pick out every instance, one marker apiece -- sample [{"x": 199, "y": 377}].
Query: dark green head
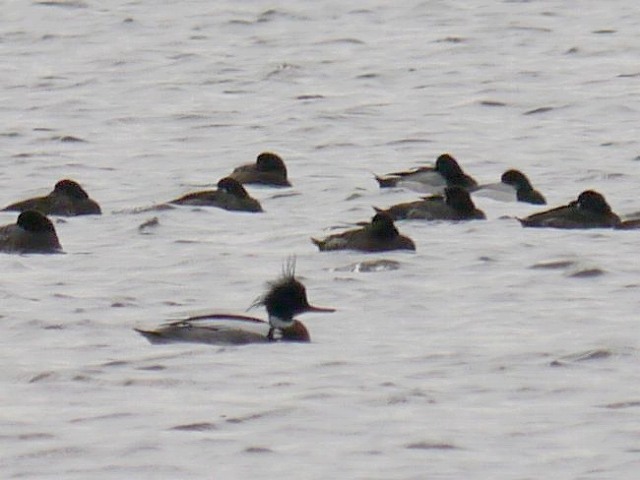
[{"x": 287, "y": 297}]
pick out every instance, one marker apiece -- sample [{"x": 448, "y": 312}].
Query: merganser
[{"x": 284, "y": 299}]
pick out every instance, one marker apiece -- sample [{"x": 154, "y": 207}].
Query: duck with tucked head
[
  {"x": 269, "y": 169},
  {"x": 378, "y": 236},
  {"x": 590, "y": 210},
  {"x": 447, "y": 172},
  {"x": 454, "y": 205},
  {"x": 67, "y": 199},
  {"x": 284, "y": 299},
  {"x": 32, "y": 233},
  {"x": 230, "y": 195}
]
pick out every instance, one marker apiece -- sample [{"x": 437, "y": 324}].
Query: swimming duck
[
  {"x": 230, "y": 195},
  {"x": 269, "y": 169},
  {"x": 447, "y": 172},
  {"x": 67, "y": 199},
  {"x": 514, "y": 186},
  {"x": 455, "y": 204},
  {"x": 284, "y": 299},
  {"x": 378, "y": 236},
  {"x": 32, "y": 233},
  {"x": 590, "y": 210}
]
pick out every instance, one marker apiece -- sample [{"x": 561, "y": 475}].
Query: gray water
[{"x": 492, "y": 352}]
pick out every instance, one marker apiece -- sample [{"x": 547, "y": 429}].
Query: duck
[
  {"x": 514, "y": 186},
  {"x": 589, "y": 210},
  {"x": 67, "y": 199},
  {"x": 269, "y": 169},
  {"x": 285, "y": 298},
  {"x": 230, "y": 195},
  {"x": 33, "y": 232},
  {"x": 379, "y": 235},
  {"x": 455, "y": 204},
  {"x": 446, "y": 172}
]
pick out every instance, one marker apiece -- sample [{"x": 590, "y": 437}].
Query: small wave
[
  {"x": 408, "y": 141},
  {"x": 553, "y": 265},
  {"x": 619, "y": 405},
  {"x": 349, "y": 41},
  {"x": 68, "y": 139},
  {"x": 426, "y": 445},
  {"x": 586, "y": 272},
  {"x": 63, "y": 3},
  {"x": 310, "y": 97},
  {"x": 258, "y": 450},
  {"x": 147, "y": 227},
  {"x": 195, "y": 427},
  {"x": 589, "y": 355},
  {"x": 367, "y": 266},
  {"x": 451, "y": 40},
  {"x": 492, "y": 103},
  {"x": 539, "y": 110}
]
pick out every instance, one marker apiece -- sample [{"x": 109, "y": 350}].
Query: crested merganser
[{"x": 285, "y": 298}]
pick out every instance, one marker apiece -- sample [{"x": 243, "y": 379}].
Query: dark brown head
[
  {"x": 593, "y": 201},
  {"x": 448, "y": 167},
  {"x": 516, "y": 178},
  {"x": 232, "y": 187},
  {"x": 382, "y": 226},
  {"x": 35, "y": 222},
  {"x": 270, "y": 162},
  {"x": 70, "y": 189}
]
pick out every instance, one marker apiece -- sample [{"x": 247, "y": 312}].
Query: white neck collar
[{"x": 278, "y": 322}]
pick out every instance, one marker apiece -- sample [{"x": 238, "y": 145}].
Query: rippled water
[{"x": 492, "y": 352}]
